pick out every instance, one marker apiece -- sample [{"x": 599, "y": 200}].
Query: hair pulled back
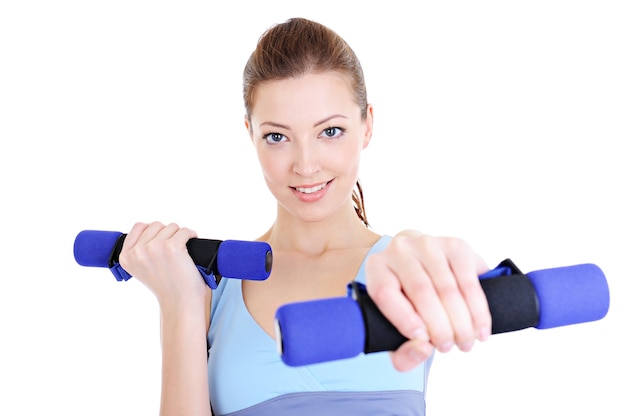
[{"x": 298, "y": 47}]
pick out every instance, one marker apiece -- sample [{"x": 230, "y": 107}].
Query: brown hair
[{"x": 295, "y": 48}]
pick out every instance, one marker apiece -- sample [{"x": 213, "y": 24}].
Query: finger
[
  {"x": 165, "y": 232},
  {"x": 181, "y": 237},
  {"x": 133, "y": 235},
  {"x": 169, "y": 241},
  {"x": 454, "y": 324},
  {"x": 383, "y": 286},
  {"x": 134, "y": 248},
  {"x": 418, "y": 285},
  {"x": 467, "y": 267},
  {"x": 411, "y": 354},
  {"x": 152, "y": 230}
]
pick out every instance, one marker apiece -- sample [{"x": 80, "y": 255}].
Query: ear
[
  {"x": 246, "y": 121},
  {"x": 369, "y": 125}
]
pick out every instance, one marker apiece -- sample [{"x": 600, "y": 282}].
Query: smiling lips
[
  {"x": 311, "y": 193},
  {"x": 311, "y": 189}
]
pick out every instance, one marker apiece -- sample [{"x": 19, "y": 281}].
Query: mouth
[{"x": 312, "y": 189}]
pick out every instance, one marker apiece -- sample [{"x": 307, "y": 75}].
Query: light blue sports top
[{"x": 248, "y": 377}]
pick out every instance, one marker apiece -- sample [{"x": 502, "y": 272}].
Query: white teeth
[{"x": 311, "y": 190}]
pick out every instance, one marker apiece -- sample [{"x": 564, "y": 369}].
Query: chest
[{"x": 295, "y": 279}]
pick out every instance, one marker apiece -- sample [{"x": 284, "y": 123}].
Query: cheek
[
  {"x": 347, "y": 159},
  {"x": 272, "y": 167}
]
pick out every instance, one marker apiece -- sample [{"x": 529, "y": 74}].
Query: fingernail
[
  {"x": 445, "y": 347},
  {"x": 417, "y": 355},
  {"x": 483, "y": 334},
  {"x": 467, "y": 346},
  {"x": 421, "y": 334}
]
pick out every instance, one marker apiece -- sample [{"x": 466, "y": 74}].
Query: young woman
[{"x": 308, "y": 118}]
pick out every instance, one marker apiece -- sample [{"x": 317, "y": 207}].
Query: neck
[{"x": 313, "y": 238}]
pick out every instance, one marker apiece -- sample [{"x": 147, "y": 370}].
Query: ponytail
[{"x": 359, "y": 204}]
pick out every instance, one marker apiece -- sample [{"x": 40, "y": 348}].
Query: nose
[{"x": 306, "y": 159}]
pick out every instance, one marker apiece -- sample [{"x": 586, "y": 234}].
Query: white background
[{"x": 499, "y": 122}]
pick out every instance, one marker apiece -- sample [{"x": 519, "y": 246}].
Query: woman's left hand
[{"x": 428, "y": 288}]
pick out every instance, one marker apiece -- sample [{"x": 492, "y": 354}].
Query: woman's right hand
[{"x": 156, "y": 254}]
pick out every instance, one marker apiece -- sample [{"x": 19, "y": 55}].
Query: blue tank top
[{"x": 248, "y": 377}]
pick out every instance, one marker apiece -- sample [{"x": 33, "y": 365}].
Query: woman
[{"x": 308, "y": 118}]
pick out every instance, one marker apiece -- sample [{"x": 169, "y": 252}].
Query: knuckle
[
  {"x": 139, "y": 224},
  {"x": 402, "y": 243},
  {"x": 171, "y": 246},
  {"x": 429, "y": 243},
  {"x": 373, "y": 265},
  {"x": 455, "y": 244},
  {"x": 447, "y": 287},
  {"x": 380, "y": 294},
  {"x": 123, "y": 258},
  {"x": 416, "y": 286}
]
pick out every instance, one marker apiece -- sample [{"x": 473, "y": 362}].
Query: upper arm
[{"x": 207, "y": 309}]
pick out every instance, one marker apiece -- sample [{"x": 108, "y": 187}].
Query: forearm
[{"x": 184, "y": 385}]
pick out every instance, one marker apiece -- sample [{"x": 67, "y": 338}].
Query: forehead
[{"x": 313, "y": 94}]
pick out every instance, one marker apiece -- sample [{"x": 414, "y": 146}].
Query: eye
[
  {"x": 332, "y": 132},
  {"x": 273, "y": 138}
]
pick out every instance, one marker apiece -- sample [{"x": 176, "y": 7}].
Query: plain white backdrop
[{"x": 499, "y": 122}]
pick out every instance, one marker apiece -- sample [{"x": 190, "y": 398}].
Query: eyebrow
[{"x": 319, "y": 123}]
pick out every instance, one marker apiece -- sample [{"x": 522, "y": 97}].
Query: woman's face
[{"x": 308, "y": 133}]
